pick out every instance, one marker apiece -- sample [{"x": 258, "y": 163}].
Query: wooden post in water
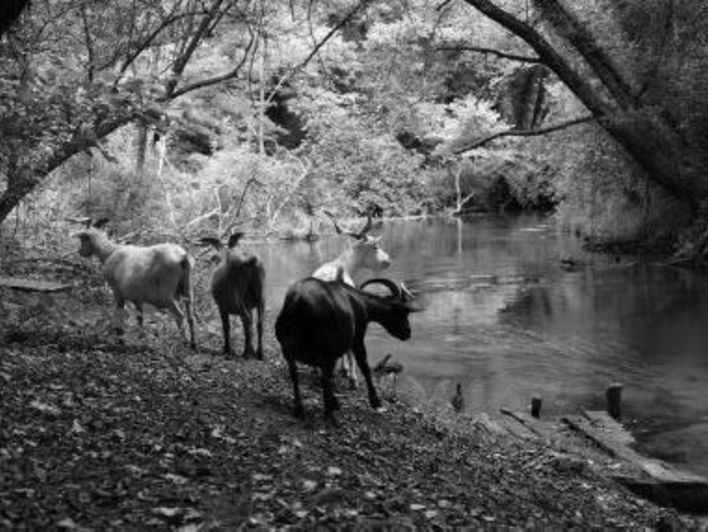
[
  {"x": 536, "y": 406},
  {"x": 614, "y": 400}
]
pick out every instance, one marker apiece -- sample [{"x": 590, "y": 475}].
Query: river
[{"x": 506, "y": 319}]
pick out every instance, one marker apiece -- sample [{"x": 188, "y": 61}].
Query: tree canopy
[{"x": 358, "y": 103}]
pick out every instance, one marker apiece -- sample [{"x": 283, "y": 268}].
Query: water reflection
[{"x": 507, "y": 321}]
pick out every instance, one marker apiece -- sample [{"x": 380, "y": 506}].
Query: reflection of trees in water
[{"x": 532, "y": 305}]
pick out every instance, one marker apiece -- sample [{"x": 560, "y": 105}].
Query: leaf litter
[{"x": 102, "y": 435}]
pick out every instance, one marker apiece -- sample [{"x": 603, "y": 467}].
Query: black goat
[
  {"x": 237, "y": 288},
  {"x": 321, "y": 320}
]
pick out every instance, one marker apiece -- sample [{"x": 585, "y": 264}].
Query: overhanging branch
[
  {"x": 522, "y": 133},
  {"x": 547, "y": 55},
  {"x": 484, "y": 50}
]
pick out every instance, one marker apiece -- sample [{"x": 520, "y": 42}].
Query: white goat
[
  {"x": 158, "y": 275},
  {"x": 364, "y": 252}
]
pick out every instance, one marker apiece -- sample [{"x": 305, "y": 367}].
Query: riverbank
[{"x": 98, "y": 435}]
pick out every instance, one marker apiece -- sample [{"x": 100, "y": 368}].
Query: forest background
[{"x": 184, "y": 117}]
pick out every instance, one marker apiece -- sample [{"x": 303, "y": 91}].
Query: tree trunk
[
  {"x": 24, "y": 178},
  {"x": 141, "y": 140},
  {"x": 650, "y": 139}
]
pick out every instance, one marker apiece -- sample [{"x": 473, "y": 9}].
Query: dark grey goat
[
  {"x": 321, "y": 320},
  {"x": 237, "y": 288}
]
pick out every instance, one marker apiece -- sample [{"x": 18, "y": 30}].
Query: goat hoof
[
  {"x": 299, "y": 412},
  {"x": 336, "y": 405},
  {"x": 331, "y": 421},
  {"x": 193, "y": 346}
]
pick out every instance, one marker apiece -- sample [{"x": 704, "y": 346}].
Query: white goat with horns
[
  {"x": 364, "y": 252},
  {"x": 158, "y": 275}
]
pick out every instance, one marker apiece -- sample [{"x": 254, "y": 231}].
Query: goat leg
[
  {"x": 330, "y": 401},
  {"x": 177, "y": 314},
  {"x": 298, "y": 409},
  {"x": 118, "y": 316},
  {"x": 360, "y": 356},
  {"x": 259, "y": 331},
  {"x": 247, "y": 322},
  {"x": 190, "y": 321},
  {"x": 226, "y": 328}
]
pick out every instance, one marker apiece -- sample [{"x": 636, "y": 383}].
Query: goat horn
[
  {"x": 388, "y": 283},
  {"x": 361, "y": 234},
  {"x": 405, "y": 291},
  {"x": 334, "y": 221}
]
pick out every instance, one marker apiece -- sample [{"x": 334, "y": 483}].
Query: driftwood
[{"x": 33, "y": 285}]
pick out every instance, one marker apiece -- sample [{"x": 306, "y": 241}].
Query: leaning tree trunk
[
  {"x": 658, "y": 146},
  {"x": 26, "y": 174}
]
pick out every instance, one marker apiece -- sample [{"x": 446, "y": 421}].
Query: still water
[{"x": 507, "y": 320}]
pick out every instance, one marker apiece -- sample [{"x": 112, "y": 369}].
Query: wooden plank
[
  {"x": 656, "y": 469},
  {"x": 605, "y": 423},
  {"x": 540, "y": 428},
  {"x": 32, "y": 285},
  {"x": 518, "y": 429}
]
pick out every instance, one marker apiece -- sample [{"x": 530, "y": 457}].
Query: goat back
[
  {"x": 237, "y": 284},
  {"x": 318, "y": 321},
  {"x": 154, "y": 274}
]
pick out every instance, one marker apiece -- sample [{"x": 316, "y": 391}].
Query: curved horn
[
  {"x": 388, "y": 283},
  {"x": 365, "y": 229},
  {"x": 334, "y": 221}
]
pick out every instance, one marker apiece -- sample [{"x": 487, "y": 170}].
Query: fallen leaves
[
  {"x": 45, "y": 408},
  {"x": 101, "y": 436}
]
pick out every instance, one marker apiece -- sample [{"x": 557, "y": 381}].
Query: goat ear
[
  {"x": 98, "y": 224},
  {"x": 210, "y": 241}
]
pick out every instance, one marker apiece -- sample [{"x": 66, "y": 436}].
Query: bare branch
[
  {"x": 323, "y": 41},
  {"x": 140, "y": 48},
  {"x": 233, "y": 73},
  {"x": 182, "y": 60},
  {"x": 522, "y": 133},
  {"x": 89, "y": 43},
  {"x": 442, "y": 5},
  {"x": 483, "y": 50}
]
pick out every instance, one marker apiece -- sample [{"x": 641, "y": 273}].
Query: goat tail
[{"x": 184, "y": 287}]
